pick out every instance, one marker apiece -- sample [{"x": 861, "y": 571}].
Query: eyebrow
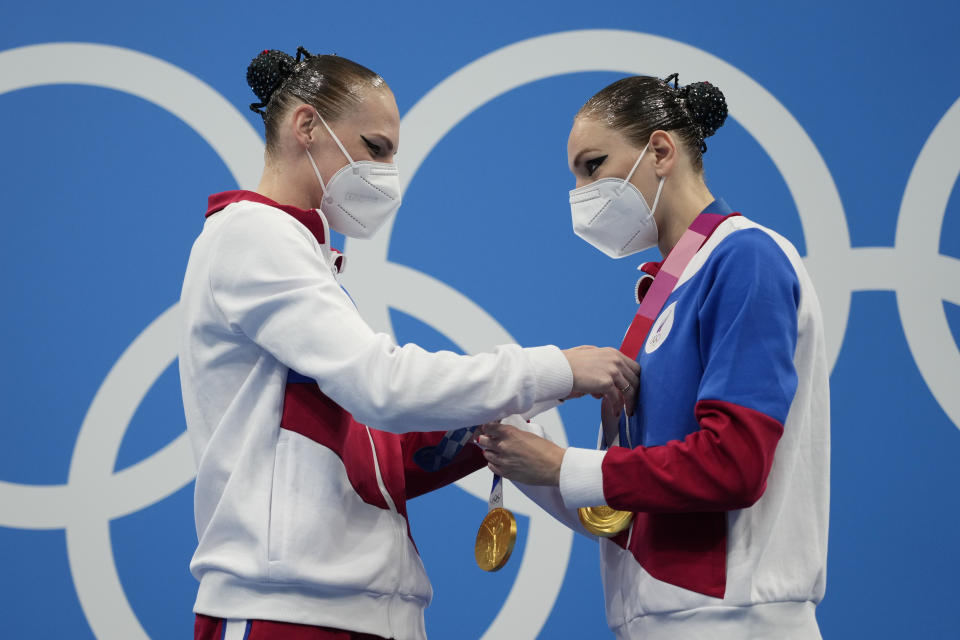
[{"x": 576, "y": 158}]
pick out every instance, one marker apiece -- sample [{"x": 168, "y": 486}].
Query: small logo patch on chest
[{"x": 660, "y": 329}]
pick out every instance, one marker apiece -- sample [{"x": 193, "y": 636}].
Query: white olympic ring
[
  {"x": 919, "y": 224},
  {"x": 837, "y": 268}
]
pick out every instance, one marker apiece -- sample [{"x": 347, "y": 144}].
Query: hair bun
[
  {"x": 267, "y": 72},
  {"x": 706, "y": 105}
]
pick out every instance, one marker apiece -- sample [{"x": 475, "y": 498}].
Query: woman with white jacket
[{"x": 300, "y": 505}]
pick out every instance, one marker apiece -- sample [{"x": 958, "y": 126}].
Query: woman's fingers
[
  {"x": 487, "y": 435},
  {"x": 487, "y": 443},
  {"x": 614, "y": 399},
  {"x": 630, "y": 399},
  {"x": 629, "y": 386},
  {"x": 610, "y": 418},
  {"x": 492, "y": 435},
  {"x": 494, "y": 468},
  {"x": 631, "y": 375},
  {"x": 522, "y": 456},
  {"x": 494, "y": 429}
]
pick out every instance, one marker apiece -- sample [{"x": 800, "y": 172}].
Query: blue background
[{"x": 102, "y": 194}]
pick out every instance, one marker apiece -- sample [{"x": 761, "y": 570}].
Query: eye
[
  {"x": 374, "y": 148},
  {"x": 593, "y": 164}
]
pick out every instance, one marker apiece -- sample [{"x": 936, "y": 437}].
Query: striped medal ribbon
[{"x": 602, "y": 520}]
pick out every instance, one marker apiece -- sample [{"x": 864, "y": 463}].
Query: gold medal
[
  {"x": 495, "y": 539},
  {"x": 604, "y": 521}
]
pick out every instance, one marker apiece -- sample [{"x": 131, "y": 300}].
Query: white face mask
[
  {"x": 612, "y": 215},
  {"x": 360, "y": 197}
]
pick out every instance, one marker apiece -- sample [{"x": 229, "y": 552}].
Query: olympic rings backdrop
[{"x": 118, "y": 119}]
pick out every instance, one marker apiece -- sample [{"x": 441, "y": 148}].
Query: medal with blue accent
[{"x": 497, "y": 533}]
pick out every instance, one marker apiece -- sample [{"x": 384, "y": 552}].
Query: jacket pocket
[{"x": 321, "y": 532}]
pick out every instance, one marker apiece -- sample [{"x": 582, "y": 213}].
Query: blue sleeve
[{"x": 748, "y": 325}]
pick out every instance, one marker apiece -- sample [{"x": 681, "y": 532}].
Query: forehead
[
  {"x": 377, "y": 110},
  {"x": 589, "y": 132}
]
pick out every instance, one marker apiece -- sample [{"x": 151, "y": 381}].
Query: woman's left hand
[{"x": 519, "y": 455}]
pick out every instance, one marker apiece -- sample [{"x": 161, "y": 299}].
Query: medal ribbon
[
  {"x": 663, "y": 284},
  {"x": 440, "y": 455},
  {"x": 657, "y": 295},
  {"x": 496, "y": 494}
]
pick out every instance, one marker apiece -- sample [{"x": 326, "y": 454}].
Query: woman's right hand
[{"x": 604, "y": 372}]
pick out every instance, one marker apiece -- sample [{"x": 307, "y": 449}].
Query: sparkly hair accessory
[
  {"x": 705, "y": 105},
  {"x": 267, "y": 73}
]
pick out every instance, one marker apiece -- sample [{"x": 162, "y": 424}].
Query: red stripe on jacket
[
  {"x": 309, "y": 412},
  {"x": 681, "y": 493},
  {"x": 209, "y": 628}
]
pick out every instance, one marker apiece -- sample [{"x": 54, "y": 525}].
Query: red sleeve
[
  {"x": 721, "y": 467},
  {"x": 418, "y": 481}
]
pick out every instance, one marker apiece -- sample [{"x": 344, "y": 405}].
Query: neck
[
  {"x": 282, "y": 183},
  {"x": 686, "y": 204}
]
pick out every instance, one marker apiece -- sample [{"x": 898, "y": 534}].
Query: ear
[
  {"x": 664, "y": 149},
  {"x": 303, "y": 121}
]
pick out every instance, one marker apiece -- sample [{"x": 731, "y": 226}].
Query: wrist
[{"x": 557, "y": 464}]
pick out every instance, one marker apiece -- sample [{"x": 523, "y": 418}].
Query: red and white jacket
[{"x": 300, "y": 508}]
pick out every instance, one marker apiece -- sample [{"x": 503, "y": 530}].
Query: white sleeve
[
  {"x": 272, "y": 283},
  {"x": 581, "y": 478},
  {"x": 546, "y": 497}
]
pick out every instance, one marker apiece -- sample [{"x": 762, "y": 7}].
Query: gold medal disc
[
  {"x": 604, "y": 521},
  {"x": 495, "y": 539}
]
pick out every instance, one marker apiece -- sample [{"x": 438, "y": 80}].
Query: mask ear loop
[
  {"x": 323, "y": 187},
  {"x": 656, "y": 199},
  {"x": 316, "y": 170},
  {"x": 636, "y": 164},
  {"x": 353, "y": 165}
]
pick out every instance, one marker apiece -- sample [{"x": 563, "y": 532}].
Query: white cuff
[
  {"x": 581, "y": 478},
  {"x": 554, "y": 377}
]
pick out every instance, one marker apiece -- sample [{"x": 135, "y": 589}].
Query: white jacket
[
  {"x": 290, "y": 528},
  {"x": 774, "y": 520}
]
